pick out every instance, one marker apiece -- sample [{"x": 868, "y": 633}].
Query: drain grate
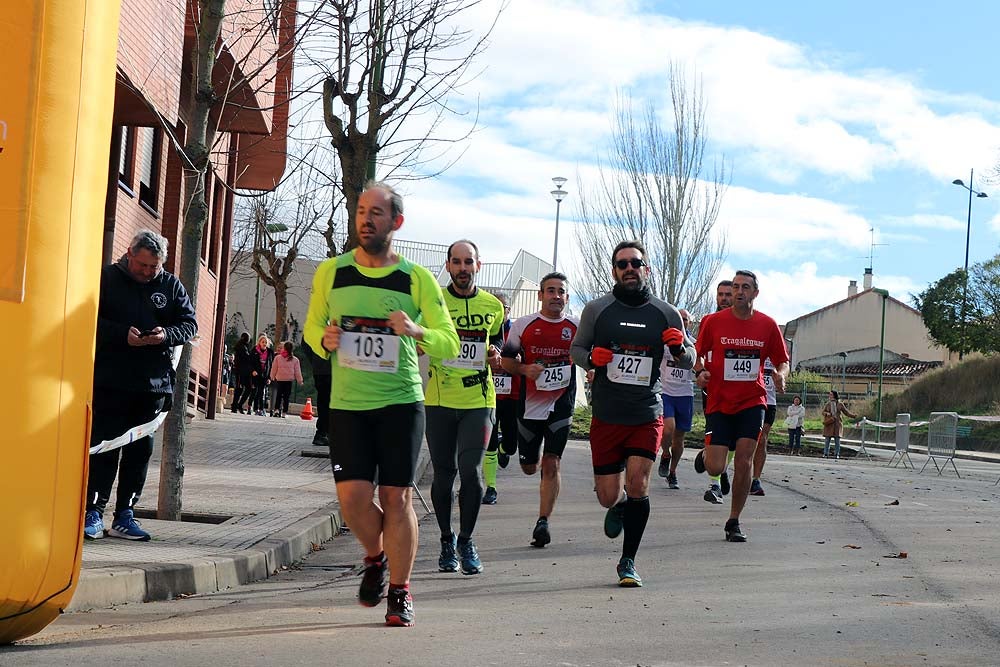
[{"x": 189, "y": 517}]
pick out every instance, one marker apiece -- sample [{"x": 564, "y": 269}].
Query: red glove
[
  {"x": 673, "y": 337},
  {"x": 600, "y": 356}
]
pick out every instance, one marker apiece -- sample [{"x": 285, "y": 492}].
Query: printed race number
[
  {"x": 554, "y": 377},
  {"x": 630, "y": 369},
  {"x": 741, "y": 366},
  {"x": 471, "y": 353},
  {"x": 368, "y": 344},
  {"x": 503, "y": 384}
]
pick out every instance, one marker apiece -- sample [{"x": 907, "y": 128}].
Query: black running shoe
[
  {"x": 672, "y": 481},
  {"x": 448, "y": 560},
  {"x": 614, "y": 520},
  {"x": 755, "y": 488},
  {"x": 699, "y": 462},
  {"x": 733, "y": 532},
  {"x": 724, "y": 483},
  {"x": 540, "y": 535},
  {"x": 503, "y": 458},
  {"x": 373, "y": 582},
  {"x": 399, "y": 608},
  {"x": 713, "y": 495},
  {"x": 490, "y": 496},
  {"x": 663, "y": 470}
]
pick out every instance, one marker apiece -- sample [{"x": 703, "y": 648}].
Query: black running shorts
[
  {"x": 554, "y": 431},
  {"x": 727, "y": 429},
  {"x": 380, "y": 445}
]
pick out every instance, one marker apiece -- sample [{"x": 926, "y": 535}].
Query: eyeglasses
[{"x": 635, "y": 263}]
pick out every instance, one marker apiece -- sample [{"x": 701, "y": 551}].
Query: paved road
[{"x": 814, "y": 586}]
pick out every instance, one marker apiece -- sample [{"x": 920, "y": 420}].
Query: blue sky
[{"x": 834, "y": 118}]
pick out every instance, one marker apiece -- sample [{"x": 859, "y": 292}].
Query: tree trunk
[{"x": 199, "y": 140}]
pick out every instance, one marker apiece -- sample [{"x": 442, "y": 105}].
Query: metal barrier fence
[{"x": 941, "y": 436}]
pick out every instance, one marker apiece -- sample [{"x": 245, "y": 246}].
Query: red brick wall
[{"x": 150, "y": 49}]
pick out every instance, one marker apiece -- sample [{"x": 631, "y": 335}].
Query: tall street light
[
  {"x": 881, "y": 363},
  {"x": 559, "y": 194},
  {"x": 968, "y": 232}
]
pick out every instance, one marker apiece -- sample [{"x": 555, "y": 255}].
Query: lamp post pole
[
  {"x": 881, "y": 364},
  {"x": 558, "y": 194},
  {"x": 968, "y": 234}
]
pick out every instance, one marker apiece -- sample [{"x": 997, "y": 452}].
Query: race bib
[
  {"x": 471, "y": 351},
  {"x": 555, "y": 376},
  {"x": 503, "y": 384},
  {"x": 630, "y": 369},
  {"x": 741, "y": 366},
  {"x": 368, "y": 344},
  {"x": 768, "y": 382}
]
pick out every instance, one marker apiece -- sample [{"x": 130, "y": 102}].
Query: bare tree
[
  {"x": 390, "y": 64},
  {"x": 657, "y": 188}
]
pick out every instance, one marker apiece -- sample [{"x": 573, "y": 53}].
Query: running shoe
[
  {"x": 374, "y": 582},
  {"x": 540, "y": 535},
  {"x": 672, "y": 481},
  {"x": 699, "y": 462},
  {"x": 627, "y": 576},
  {"x": 664, "y": 468},
  {"x": 399, "y": 608},
  {"x": 321, "y": 440},
  {"x": 470, "y": 557},
  {"x": 490, "y": 497},
  {"x": 126, "y": 527},
  {"x": 503, "y": 458},
  {"x": 724, "y": 483},
  {"x": 714, "y": 495},
  {"x": 93, "y": 525},
  {"x": 755, "y": 488},
  {"x": 614, "y": 520},
  {"x": 448, "y": 560},
  {"x": 733, "y": 532}
]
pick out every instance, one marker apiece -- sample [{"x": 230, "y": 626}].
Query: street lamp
[
  {"x": 843, "y": 372},
  {"x": 559, "y": 194},
  {"x": 881, "y": 363},
  {"x": 968, "y": 232}
]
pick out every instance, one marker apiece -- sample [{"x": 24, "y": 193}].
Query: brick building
[{"x": 252, "y": 76}]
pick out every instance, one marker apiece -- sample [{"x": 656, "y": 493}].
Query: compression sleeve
[
  {"x": 583, "y": 342},
  {"x": 440, "y": 338},
  {"x": 317, "y": 316}
]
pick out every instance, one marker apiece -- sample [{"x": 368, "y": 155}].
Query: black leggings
[
  {"x": 259, "y": 383},
  {"x": 282, "y": 392},
  {"x": 506, "y": 424},
  {"x": 457, "y": 440},
  {"x": 243, "y": 392}
]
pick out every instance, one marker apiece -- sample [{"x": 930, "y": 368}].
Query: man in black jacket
[{"x": 143, "y": 313}]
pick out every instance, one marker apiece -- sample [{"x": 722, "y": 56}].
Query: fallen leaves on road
[
  {"x": 850, "y": 546},
  {"x": 901, "y": 554},
  {"x": 803, "y": 507},
  {"x": 894, "y": 502},
  {"x": 851, "y": 503}
]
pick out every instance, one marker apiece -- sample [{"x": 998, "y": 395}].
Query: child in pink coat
[{"x": 284, "y": 369}]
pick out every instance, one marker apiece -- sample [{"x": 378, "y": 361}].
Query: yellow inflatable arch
[{"x": 57, "y": 80}]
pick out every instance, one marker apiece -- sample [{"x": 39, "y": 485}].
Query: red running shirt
[{"x": 734, "y": 351}]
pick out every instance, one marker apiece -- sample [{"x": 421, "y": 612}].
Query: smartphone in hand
[{"x": 145, "y": 334}]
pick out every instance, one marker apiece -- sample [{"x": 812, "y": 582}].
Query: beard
[
  {"x": 462, "y": 280},
  {"x": 376, "y": 244},
  {"x": 632, "y": 287}
]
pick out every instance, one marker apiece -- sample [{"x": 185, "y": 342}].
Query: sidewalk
[{"x": 268, "y": 503}]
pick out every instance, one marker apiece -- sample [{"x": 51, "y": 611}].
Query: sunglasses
[{"x": 635, "y": 263}]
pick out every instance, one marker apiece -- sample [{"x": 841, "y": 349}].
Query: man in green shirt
[
  {"x": 363, "y": 315},
  {"x": 461, "y": 401}
]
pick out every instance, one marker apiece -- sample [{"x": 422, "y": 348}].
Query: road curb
[{"x": 150, "y": 582}]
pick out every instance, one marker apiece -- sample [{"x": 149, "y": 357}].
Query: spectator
[
  {"x": 284, "y": 369},
  {"x": 261, "y": 357},
  {"x": 142, "y": 314},
  {"x": 793, "y": 422},
  {"x": 243, "y": 374},
  {"x": 833, "y": 423}
]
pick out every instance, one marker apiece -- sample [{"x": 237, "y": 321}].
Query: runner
[
  {"x": 718, "y": 485},
  {"x": 732, "y": 345},
  {"x": 678, "y": 409},
  {"x": 460, "y": 405},
  {"x": 542, "y": 342},
  {"x": 362, "y": 315},
  {"x": 760, "y": 454},
  {"x": 503, "y": 440},
  {"x": 622, "y": 336}
]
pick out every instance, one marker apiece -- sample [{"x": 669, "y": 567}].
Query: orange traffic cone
[{"x": 307, "y": 411}]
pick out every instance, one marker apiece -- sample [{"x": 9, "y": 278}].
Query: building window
[
  {"x": 126, "y": 160},
  {"x": 148, "y": 163}
]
